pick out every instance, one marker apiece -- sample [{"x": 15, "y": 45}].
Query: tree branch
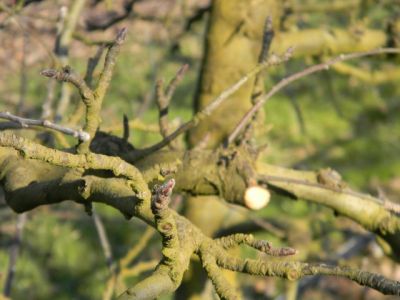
[
  {"x": 92, "y": 99},
  {"x": 308, "y": 71},
  {"x": 24, "y": 122},
  {"x": 296, "y": 270},
  {"x": 44, "y": 185},
  {"x": 366, "y": 210}
]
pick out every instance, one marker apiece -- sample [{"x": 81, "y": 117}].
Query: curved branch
[{"x": 308, "y": 71}]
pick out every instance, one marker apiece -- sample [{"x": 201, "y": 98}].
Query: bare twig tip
[
  {"x": 48, "y": 73},
  {"x": 121, "y": 36},
  {"x": 268, "y": 24},
  {"x": 184, "y": 68}
]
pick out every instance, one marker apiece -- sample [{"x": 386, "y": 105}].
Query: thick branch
[
  {"x": 44, "y": 185},
  {"x": 93, "y": 161},
  {"x": 363, "y": 209}
]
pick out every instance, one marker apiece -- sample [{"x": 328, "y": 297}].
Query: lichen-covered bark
[
  {"x": 320, "y": 41},
  {"x": 363, "y": 209},
  {"x": 233, "y": 45},
  {"x": 33, "y": 175}
]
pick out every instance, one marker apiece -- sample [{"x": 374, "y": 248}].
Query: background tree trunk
[{"x": 233, "y": 44}]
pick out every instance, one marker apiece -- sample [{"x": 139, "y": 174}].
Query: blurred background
[{"x": 347, "y": 119}]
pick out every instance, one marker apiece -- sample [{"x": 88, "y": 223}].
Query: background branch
[
  {"x": 25, "y": 122},
  {"x": 308, "y": 71}
]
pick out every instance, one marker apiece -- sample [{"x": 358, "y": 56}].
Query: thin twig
[
  {"x": 133, "y": 124},
  {"x": 23, "y": 75},
  {"x": 138, "y": 248},
  {"x": 267, "y": 39},
  {"x": 258, "y": 88},
  {"x": 164, "y": 98},
  {"x": 199, "y": 116},
  {"x": 140, "y": 267},
  {"x": 125, "y": 124},
  {"x": 62, "y": 49},
  {"x": 149, "y": 97},
  {"x": 51, "y": 86},
  {"x": 107, "y": 21},
  {"x": 89, "y": 42},
  {"x": 260, "y": 222},
  {"x": 14, "y": 252},
  {"x": 92, "y": 64},
  {"x": 92, "y": 99},
  {"x": 68, "y": 75},
  {"x": 271, "y": 178},
  {"x": 47, "y": 110},
  {"x": 310, "y": 70},
  {"x": 125, "y": 270},
  {"x": 109, "y": 63},
  {"x": 352, "y": 247},
  {"x": 105, "y": 244},
  {"x": 24, "y": 122},
  {"x": 173, "y": 84},
  {"x": 88, "y": 78}
]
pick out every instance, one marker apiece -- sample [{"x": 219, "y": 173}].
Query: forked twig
[{"x": 273, "y": 60}]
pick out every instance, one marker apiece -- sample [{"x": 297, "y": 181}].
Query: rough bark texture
[{"x": 232, "y": 49}]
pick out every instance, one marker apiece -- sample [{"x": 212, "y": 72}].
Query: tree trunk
[{"x": 233, "y": 44}]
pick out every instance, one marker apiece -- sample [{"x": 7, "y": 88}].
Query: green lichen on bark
[{"x": 234, "y": 35}]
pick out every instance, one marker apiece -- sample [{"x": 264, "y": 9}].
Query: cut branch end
[{"x": 256, "y": 197}]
